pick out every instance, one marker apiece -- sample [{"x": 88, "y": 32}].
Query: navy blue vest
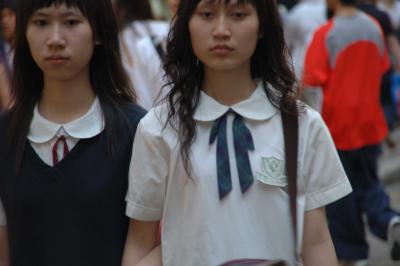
[{"x": 71, "y": 214}]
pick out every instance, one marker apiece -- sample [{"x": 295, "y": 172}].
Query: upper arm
[
  {"x": 315, "y": 227},
  {"x": 3, "y": 246},
  {"x": 317, "y": 244}
]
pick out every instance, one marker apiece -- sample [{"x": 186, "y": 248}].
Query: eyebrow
[
  {"x": 231, "y": 4},
  {"x": 47, "y": 14}
]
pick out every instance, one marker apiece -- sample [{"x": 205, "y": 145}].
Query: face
[
  {"x": 8, "y": 24},
  {"x": 61, "y": 42},
  {"x": 224, "y": 36},
  {"x": 173, "y": 6}
]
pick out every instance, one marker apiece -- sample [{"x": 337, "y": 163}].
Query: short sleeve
[
  {"x": 323, "y": 173},
  {"x": 148, "y": 173},
  {"x": 2, "y": 215},
  {"x": 316, "y": 63}
]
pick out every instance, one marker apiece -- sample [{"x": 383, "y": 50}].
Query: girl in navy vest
[
  {"x": 209, "y": 162},
  {"x": 65, "y": 144}
]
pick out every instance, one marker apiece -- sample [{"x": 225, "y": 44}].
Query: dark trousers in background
[{"x": 345, "y": 216}]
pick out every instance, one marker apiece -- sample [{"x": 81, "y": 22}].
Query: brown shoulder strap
[{"x": 291, "y": 135}]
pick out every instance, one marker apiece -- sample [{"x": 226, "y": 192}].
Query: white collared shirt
[
  {"x": 299, "y": 26},
  {"x": 43, "y": 134},
  {"x": 143, "y": 63},
  {"x": 198, "y": 227}
]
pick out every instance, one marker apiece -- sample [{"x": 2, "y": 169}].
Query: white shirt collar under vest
[
  {"x": 89, "y": 125},
  {"x": 256, "y": 107}
]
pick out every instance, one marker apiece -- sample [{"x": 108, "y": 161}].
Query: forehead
[
  {"x": 225, "y": 2},
  {"x": 35, "y": 5},
  {"x": 57, "y": 9}
]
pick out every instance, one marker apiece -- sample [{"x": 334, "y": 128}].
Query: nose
[
  {"x": 222, "y": 27},
  {"x": 55, "y": 39}
]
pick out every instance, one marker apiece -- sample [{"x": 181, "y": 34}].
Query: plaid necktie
[{"x": 243, "y": 142}]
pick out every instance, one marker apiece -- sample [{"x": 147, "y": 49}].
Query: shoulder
[
  {"x": 159, "y": 28},
  {"x": 321, "y": 33},
  {"x": 154, "y": 121},
  {"x": 155, "y": 125},
  {"x": 310, "y": 122},
  {"x": 325, "y": 27},
  {"x": 369, "y": 20},
  {"x": 133, "y": 112}
]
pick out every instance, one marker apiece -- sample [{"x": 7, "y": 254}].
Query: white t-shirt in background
[{"x": 141, "y": 60}]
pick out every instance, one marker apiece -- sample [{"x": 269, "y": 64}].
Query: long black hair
[
  {"x": 108, "y": 78},
  {"x": 270, "y": 63},
  {"x": 131, "y": 10}
]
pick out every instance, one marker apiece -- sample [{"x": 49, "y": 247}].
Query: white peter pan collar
[
  {"x": 89, "y": 125},
  {"x": 256, "y": 107}
]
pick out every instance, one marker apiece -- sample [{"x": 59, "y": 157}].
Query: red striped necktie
[{"x": 63, "y": 141}]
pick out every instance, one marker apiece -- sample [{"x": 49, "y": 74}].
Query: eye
[
  {"x": 72, "y": 22},
  {"x": 206, "y": 14},
  {"x": 40, "y": 22},
  {"x": 239, "y": 15}
]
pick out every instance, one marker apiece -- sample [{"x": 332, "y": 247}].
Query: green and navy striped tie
[{"x": 243, "y": 143}]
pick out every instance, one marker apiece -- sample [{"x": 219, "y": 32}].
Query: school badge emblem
[{"x": 272, "y": 172}]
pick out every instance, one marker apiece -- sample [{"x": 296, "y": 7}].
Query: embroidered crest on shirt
[{"x": 272, "y": 172}]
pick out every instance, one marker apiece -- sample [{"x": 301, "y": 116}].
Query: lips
[
  {"x": 56, "y": 59},
  {"x": 221, "y": 50},
  {"x": 221, "y": 47}
]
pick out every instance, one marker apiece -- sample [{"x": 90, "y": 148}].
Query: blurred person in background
[
  {"x": 299, "y": 25},
  {"x": 392, "y": 43},
  {"x": 392, "y": 7},
  {"x": 347, "y": 57},
  {"x": 148, "y": 67},
  {"x": 136, "y": 22},
  {"x": 173, "y": 6},
  {"x": 8, "y": 18}
]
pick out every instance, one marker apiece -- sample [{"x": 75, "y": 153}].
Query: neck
[
  {"x": 228, "y": 87},
  {"x": 65, "y": 101},
  {"x": 346, "y": 10}
]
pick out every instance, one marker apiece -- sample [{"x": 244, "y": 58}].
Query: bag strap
[{"x": 291, "y": 136}]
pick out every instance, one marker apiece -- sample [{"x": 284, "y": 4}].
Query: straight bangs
[
  {"x": 239, "y": 2},
  {"x": 29, "y": 7},
  {"x": 26, "y": 8}
]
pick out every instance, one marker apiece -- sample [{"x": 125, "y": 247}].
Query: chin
[{"x": 225, "y": 66}]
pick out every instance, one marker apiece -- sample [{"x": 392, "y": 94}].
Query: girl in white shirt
[
  {"x": 211, "y": 164},
  {"x": 64, "y": 158}
]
